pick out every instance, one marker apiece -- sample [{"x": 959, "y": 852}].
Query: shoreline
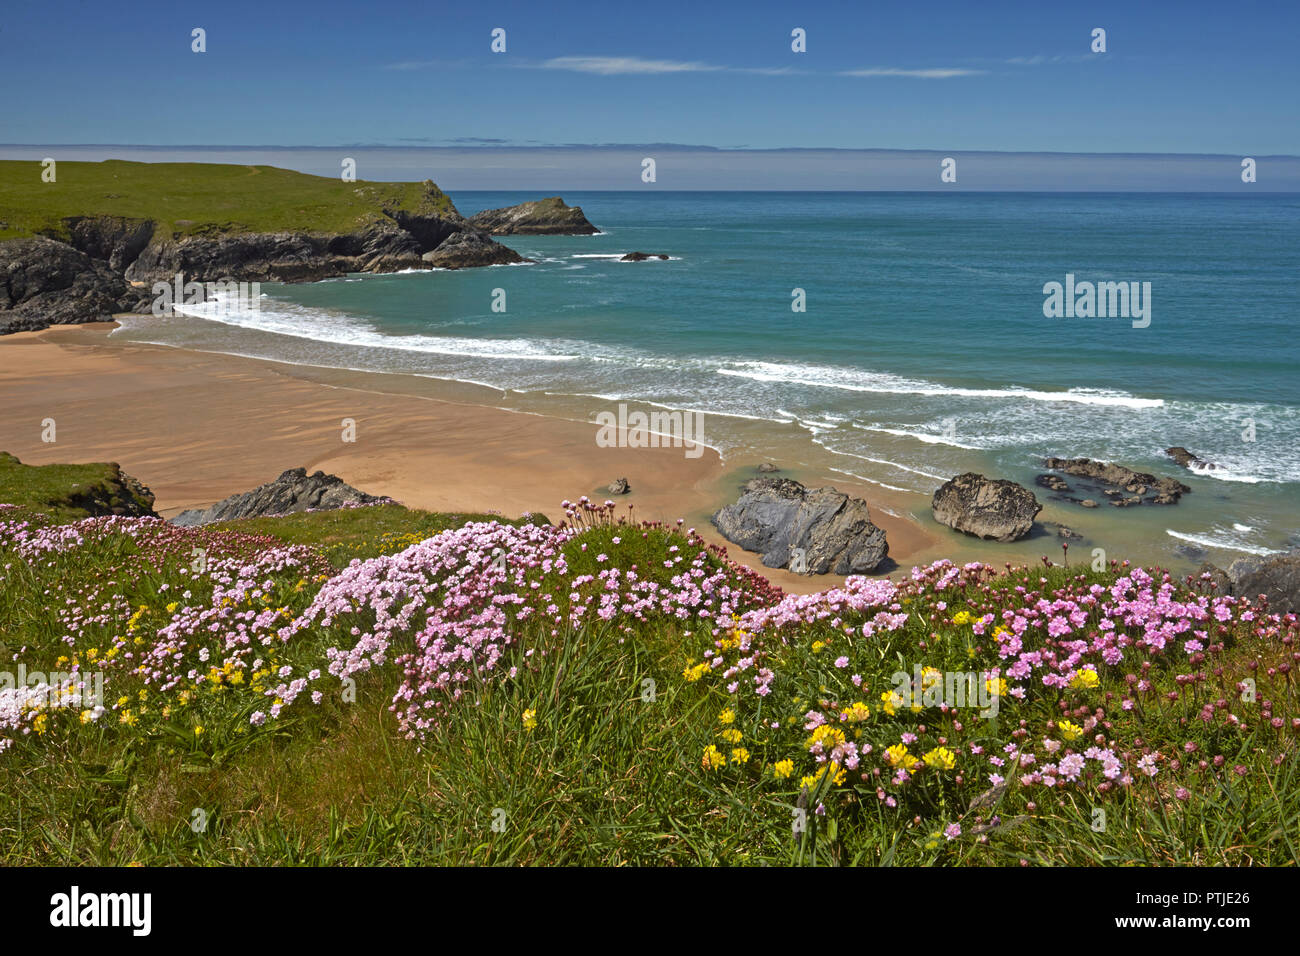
[{"x": 198, "y": 426}]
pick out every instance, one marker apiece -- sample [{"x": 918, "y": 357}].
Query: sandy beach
[{"x": 196, "y": 427}]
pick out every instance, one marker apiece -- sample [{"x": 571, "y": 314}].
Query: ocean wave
[
  {"x": 857, "y": 380},
  {"x": 1228, "y": 544},
  {"x": 321, "y": 326}
]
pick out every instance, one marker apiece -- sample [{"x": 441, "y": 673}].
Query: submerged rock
[
  {"x": 816, "y": 532},
  {"x": 1188, "y": 460},
  {"x": 990, "y": 508},
  {"x": 293, "y": 491},
  {"x": 642, "y": 256},
  {"x": 1117, "y": 479}
]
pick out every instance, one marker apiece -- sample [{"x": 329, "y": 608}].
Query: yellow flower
[
  {"x": 92, "y": 653},
  {"x": 855, "y": 713},
  {"x": 999, "y": 689},
  {"x": 740, "y": 755},
  {"x": 826, "y": 735},
  {"x": 692, "y": 674},
  {"x": 726, "y": 717},
  {"x": 961, "y": 617},
  {"x": 713, "y": 758},
  {"x": 40, "y": 723},
  {"x": 940, "y": 758},
  {"x": 782, "y": 769},
  {"x": 1068, "y": 730},
  {"x": 897, "y": 755},
  {"x": 87, "y": 716},
  {"x": 831, "y": 771},
  {"x": 817, "y": 646},
  {"x": 929, "y": 677},
  {"x": 889, "y": 700},
  {"x": 171, "y": 608},
  {"x": 530, "y": 718},
  {"x": 128, "y": 718},
  {"x": 1085, "y": 680},
  {"x": 198, "y": 730},
  {"x": 731, "y": 735},
  {"x": 123, "y": 701}
]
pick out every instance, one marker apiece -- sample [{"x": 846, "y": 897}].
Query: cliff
[{"x": 93, "y": 242}]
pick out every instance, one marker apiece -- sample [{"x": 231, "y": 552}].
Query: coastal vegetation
[
  {"x": 200, "y": 199},
  {"x": 375, "y": 685}
]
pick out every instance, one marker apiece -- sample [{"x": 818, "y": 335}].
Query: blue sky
[{"x": 1184, "y": 77}]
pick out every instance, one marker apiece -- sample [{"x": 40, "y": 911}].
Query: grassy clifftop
[{"x": 191, "y": 199}]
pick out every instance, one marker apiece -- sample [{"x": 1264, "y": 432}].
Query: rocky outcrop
[
  {"x": 116, "y": 493},
  {"x": 101, "y": 265},
  {"x": 1114, "y": 481},
  {"x": 1188, "y": 460},
  {"x": 619, "y": 486},
  {"x": 541, "y": 217},
  {"x": 1276, "y": 577},
  {"x": 990, "y": 508},
  {"x": 463, "y": 250},
  {"x": 44, "y": 282},
  {"x": 293, "y": 491},
  {"x": 121, "y": 494},
  {"x": 816, "y": 532},
  {"x": 642, "y": 256},
  {"x": 114, "y": 240}
]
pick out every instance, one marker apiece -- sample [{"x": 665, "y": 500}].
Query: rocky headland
[
  {"x": 541, "y": 217},
  {"x": 86, "y": 267}
]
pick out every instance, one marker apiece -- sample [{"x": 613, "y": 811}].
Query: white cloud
[
  {"x": 940, "y": 73},
  {"x": 616, "y": 65}
]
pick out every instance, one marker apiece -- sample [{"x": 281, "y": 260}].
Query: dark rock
[
  {"x": 1189, "y": 460},
  {"x": 1276, "y": 577},
  {"x": 44, "y": 282},
  {"x": 1088, "y": 503},
  {"x": 1191, "y": 552},
  {"x": 619, "y": 486},
  {"x": 777, "y": 516},
  {"x": 541, "y": 217},
  {"x": 111, "y": 239},
  {"x": 1068, "y": 533},
  {"x": 462, "y": 250},
  {"x": 293, "y": 491},
  {"x": 642, "y": 256},
  {"x": 985, "y": 507},
  {"x": 1126, "y": 502},
  {"x": 766, "y": 468},
  {"x": 1162, "y": 490},
  {"x": 1052, "y": 482},
  {"x": 1222, "y": 584}
]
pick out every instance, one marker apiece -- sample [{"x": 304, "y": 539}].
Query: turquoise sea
[{"x": 923, "y": 351}]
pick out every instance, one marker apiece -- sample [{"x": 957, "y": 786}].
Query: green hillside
[{"x": 200, "y": 198}]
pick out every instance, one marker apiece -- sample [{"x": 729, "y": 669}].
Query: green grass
[
  {"x": 608, "y": 769},
  {"x": 194, "y": 199},
  {"x": 53, "y": 489}
]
